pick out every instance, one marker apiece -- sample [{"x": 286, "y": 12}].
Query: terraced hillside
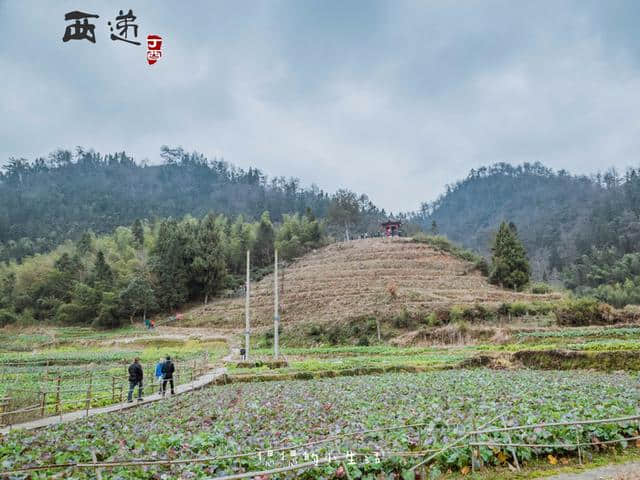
[{"x": 347, "y": 280}]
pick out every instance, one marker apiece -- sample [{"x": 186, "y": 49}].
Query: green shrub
[
  {"x": 334, "y": 336},
  {"x": 433, "y": 320},
  {"x": 71, "y": 313},
  {"x": 503, "y": 309},
  {"x": 542, "y": 308},
  {"x": 26, "y": 318},
  {"x": 541, "y": 288},
  {"x": 7, "y": 317},
  {"x": 316, "y": 330},
  {"x": 363, "y": 341},
  {"x": 403, "y": 320},
  {"x": 475, "y": 313},
  {"x": 483, "y": 266},
  {"x": 582, "y": 311},
  {"x": 456, "y": 314},
  {"x": 518, "y": 309}
]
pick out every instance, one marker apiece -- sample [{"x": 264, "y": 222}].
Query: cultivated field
[
  {"x": 389, "y": 423},
  {"x": 57, "y": 370},
  {"x": 374, "y": 383}
]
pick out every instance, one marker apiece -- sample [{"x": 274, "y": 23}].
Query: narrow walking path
[
  {"x": 200, "y": 382},
  {"x": 624, "y": 471}
]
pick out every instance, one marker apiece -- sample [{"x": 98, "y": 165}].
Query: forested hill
[
  {"x": 561, "y": 218},
  {"x": 49, "y": 200}
]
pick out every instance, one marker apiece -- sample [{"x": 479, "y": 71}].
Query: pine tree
[
  {"x": 309, "y": 214},
  {"x": 85, "y": 244},
  {"x": 238, "y": 244},
  {"x": 138, "y": 296},
  {"x": 434, "y": 228},
  {"x": 509, "y": 264},
  {"x": 138, "y": 233},
  {"x": 264, "y": 240},
  {"x": 208, "y": 264},
  {"x": 169, "y": 266},
  {"x": 102, "y": 272}
]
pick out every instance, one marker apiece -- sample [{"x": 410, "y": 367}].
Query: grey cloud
[{"x": 394, "y": 99}]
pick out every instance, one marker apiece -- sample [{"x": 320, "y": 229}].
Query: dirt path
[
  {"x": 198, "y": 383},
  {"x": 625, "y": 471}
]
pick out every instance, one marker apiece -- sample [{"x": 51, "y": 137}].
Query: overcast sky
[{"x": 393, "y": 99}]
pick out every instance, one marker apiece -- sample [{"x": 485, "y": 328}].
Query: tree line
[
  {"x": 105, "y": 280},
  {"x": 47, "y": 201}
]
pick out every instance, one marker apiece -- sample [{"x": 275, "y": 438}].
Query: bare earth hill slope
[{"x": 352, "y": 279}]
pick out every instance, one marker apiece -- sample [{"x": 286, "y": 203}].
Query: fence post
[
  {"x": 43, "y": 396},
  {"x": 58, "y": 407},
  {"x": 4, "y": 403},
  {"x": 95, "y": 460},
  {"x": 120, "y": 393},
  {"x": 578, "y": 444},
  {"x": 89, "y": 393},
  {"x": 113, "y": 389},
  {"x": 513, "y": 450},
  {"x": 474, "y": 439}
]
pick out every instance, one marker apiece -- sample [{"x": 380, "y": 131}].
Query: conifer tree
[
  {"x": 509, "y": 264},
  {"x": 169, "y": 266},
  {"x": 264, "y": 239},
  {"x": 102, "y": 271},
  {"x": 208, "y": 266},
  {"x": 138, "y": 233}
]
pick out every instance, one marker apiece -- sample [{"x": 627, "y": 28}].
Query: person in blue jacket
[{"x": 158, "y": 374}]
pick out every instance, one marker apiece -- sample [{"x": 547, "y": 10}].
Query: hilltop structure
[{"x": 391, "y": 228}]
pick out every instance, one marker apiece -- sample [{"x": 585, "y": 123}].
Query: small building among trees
[{"x": 391, "y": 228}]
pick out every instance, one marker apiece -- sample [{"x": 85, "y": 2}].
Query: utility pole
[
  {"x": 276, "y": 315},
  {"x": 246, "y": 310}
]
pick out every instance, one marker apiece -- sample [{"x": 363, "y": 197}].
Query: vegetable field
[
  {"x": 420, "y": 412},
  {"x": 55, "y": 380}
]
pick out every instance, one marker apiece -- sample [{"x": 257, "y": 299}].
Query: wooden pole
[
  {"x": 113, "y": 389},
  {"x": 43, "y": 399},
  {"x": 247, "y": 330},
  {"x": 578, "y": 443},
  {"x": 474, "y": 450},
  {"x": 95, "y": 460},
  {"x": 89, "y": 393},
  {"x": 58, "y": 409},
  {"x": 276, "y": 315},
  {"x": 513, "y": 450}
]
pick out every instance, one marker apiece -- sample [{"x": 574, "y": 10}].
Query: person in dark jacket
[
  {"x": 135, "y": 378},
  {"x": 167, "y": 375}
]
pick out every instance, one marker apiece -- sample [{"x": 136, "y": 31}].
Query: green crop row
[{"x": 231, "y": 419}]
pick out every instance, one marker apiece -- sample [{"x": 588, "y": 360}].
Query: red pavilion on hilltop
[{"x": 391, "y": 228}]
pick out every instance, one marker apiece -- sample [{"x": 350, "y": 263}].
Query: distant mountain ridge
[
  {"x": 559, "y": 216},
  {"x": 46, "y": 201}
]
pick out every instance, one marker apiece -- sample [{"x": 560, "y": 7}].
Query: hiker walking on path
[
  {"x": 158, "y": 374},
  {"x": 167, "y": 375},
  {"x": 135, "y": 378}
]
